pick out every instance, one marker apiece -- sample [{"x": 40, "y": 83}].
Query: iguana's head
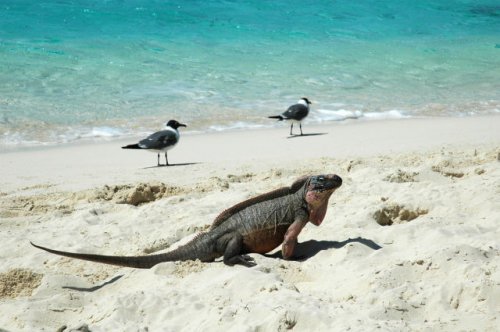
[{"x": 318, "y": 190}]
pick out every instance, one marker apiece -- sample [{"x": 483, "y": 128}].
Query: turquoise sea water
[{"x": 72, "y": 69}]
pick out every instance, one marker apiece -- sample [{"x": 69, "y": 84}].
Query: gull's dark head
[
  {"x": 175, "y": 124},
  {"x": 308, "y": 102}
]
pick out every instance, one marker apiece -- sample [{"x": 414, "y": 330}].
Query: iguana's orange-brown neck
[{"x": 317, "y": 204}]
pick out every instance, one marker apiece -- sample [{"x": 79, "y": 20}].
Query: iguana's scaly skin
[{"x": 257, "y": 225}]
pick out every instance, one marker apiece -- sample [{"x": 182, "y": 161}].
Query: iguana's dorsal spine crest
[
  {"x": 226, "y": 214},
  {"x": 261, "y": 198}
]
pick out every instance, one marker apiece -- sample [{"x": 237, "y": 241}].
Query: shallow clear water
[{"x": 83, "y": 69}]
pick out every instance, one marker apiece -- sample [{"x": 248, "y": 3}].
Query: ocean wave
[
  {"x": 104, "y": 132},
  {"x": 59, "y": 135},
  {"x": 324, "y": 115}
]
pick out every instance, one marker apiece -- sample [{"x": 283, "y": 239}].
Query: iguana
[{"x": 257, "y": 225}]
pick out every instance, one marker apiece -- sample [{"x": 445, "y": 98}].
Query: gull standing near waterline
[
  {"x": 295, "y": 113},
  {"x": 161, "y": 141}
]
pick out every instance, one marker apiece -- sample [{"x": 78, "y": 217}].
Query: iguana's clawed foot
[
  {"x": 247, "y": 261},
  {"x": 244, "y": 260}
]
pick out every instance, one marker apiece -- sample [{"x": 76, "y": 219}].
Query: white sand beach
[{"x": 410, "y": 242}]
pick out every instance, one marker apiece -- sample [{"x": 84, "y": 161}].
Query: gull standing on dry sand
[
  {"x": 296, "y": 113},
  {"x": 161, "y": 141}
]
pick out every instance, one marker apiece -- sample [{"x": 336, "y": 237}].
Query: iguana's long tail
[{"x": 183, "y": 253}]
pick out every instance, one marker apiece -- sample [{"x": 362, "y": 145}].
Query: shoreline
[
  {"x": 325, "y": 124},
  {"x": 482, "y": 120}
]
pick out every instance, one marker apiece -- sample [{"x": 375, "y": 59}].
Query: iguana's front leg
[{"x": 291, "y": 236}]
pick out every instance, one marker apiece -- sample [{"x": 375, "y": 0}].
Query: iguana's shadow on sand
[
  {"x": 303, "y": 251},
  {"x": 308, "y": 249},
  {"x": 94, "y": 288},
  {"x": 305, "y": 135}
]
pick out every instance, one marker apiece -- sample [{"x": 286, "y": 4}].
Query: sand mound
[
  {"x": 64, "y": 202},
  {"x": 18, "y": 282},
  {"x": 397, "y": 214},
  {"x": 445, "y": 170},
  {"x": 20, "y": 206},
  {"x": 401, "y": 177},
  {"x": 135, "y": 194},
  {"x": 222, "y": 183},
  {"x": 457, "y": 164},
  {"x": 183, "y": 268}
]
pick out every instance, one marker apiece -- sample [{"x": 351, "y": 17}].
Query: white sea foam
[
  {"x": 325, "y": 115},
  {"x": 315, "y": 116},
  {"x": 58, "y": 135},
  {"x": 322, "y": 115},
  {"x": 237, "y": 125},
  {"x": 13, "y": 139},
  {"x": 393, "y": 114},
  {"x": 104, "y": 132}
]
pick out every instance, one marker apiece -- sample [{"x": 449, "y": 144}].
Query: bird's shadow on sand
[
  {"x": 308, "y": 249},
  {"x": 94, "y": 288},
  {"x": 172, "y": 165},
  {"x": 306, "y": 135}
]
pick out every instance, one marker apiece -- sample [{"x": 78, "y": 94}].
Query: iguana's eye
[{"x": 321, "y": 178}]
